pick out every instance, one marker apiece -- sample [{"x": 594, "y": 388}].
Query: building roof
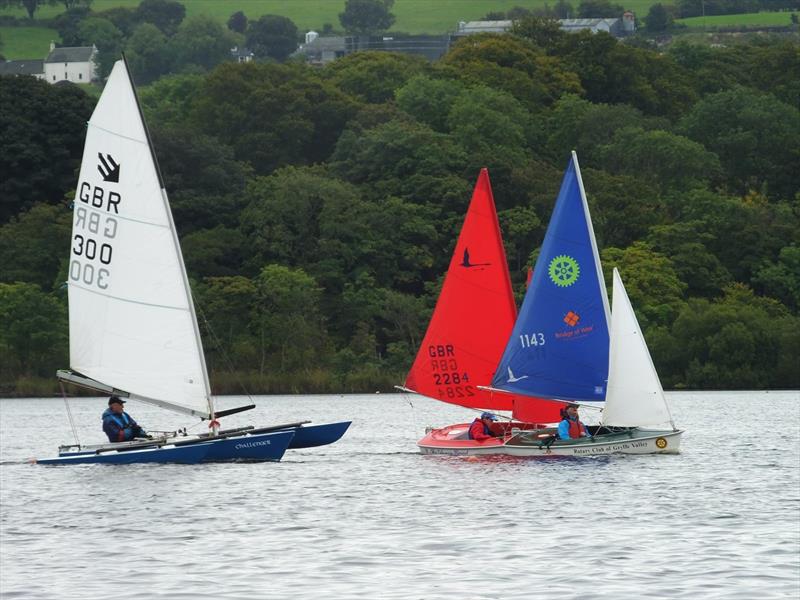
[
  {"x": 33, "y": 66},
  {"x": 333, "y": 42},
  {"x": 484, "y": 26},
  {"x": 67, "y": 55},
  {"x": 592, "y": 24}
]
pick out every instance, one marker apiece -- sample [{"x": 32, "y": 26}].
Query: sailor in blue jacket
[
  {"x": 119, "y": 425},
  {"x": 571, "y": 426}
]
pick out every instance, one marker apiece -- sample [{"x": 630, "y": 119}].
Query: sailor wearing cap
[
  {"x": 481, "y": 428},
  {"x": 119, "y": 425}
]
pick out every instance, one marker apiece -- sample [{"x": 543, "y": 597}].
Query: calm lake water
[{"x": 369, "y": 517}]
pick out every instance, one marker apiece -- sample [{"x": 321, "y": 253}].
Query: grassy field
[
  {"x": 26, "y": 42},
  {"x": 413, "y": 16},
  {"x": 748, "y": 20}
]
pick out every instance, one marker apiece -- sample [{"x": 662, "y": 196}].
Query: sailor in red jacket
[
  {"x": 571, "y": 426},
  {"x": 481, "y": 427}
]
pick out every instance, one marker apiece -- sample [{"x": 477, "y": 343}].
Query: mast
[{"x": 595, "y": 251}]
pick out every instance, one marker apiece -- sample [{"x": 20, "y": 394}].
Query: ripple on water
[{"x": 371, "y": 518}]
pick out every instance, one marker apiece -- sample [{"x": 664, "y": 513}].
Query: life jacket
[
  {"x": 125, "y": 420},
  {"x": 486, "y": 429},
  {"x": 576, "y": 428}
]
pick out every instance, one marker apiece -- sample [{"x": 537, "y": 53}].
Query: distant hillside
[{"x": 413, "y": 16}]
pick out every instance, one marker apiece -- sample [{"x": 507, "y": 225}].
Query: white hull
[{"x": 637, "y": 441}]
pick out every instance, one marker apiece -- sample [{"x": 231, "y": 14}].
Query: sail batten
[
  {"x": 132, "y": 322},
  {"x": 559, "y": 345}
]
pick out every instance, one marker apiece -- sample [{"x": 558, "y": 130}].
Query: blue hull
[
  {"x": 318, "y": 435},
  {"x": 181, "y": 454},
  {"x": 265, "y": 446}
]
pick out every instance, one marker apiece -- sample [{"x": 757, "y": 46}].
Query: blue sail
[{"x": 560, "y": 342}]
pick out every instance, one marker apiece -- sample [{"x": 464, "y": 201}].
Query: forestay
[
  {"x": 559, "y": 345},
  {"x": 132, "y": 322},
  {"x": 635, "y": 396}
]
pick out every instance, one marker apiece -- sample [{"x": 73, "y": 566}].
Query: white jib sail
[
  {"x": 131, "y": 322},
  {"x": 634, "y": 397}
]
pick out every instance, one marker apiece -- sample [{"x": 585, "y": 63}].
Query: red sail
[{"x": 473, "y": 318}]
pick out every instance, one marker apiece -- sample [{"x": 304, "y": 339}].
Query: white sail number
[{"x": 531, "y": 340}]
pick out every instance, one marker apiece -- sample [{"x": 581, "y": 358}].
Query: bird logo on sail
[
  {"x": 108, "y": 167},
  {"x": 512, "y": 379},
  {"x": 465, "y": 262}
]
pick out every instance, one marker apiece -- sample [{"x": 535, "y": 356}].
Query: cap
[
  {"x": 115, "y": 400},
  {"x": 488, "y": 415}
]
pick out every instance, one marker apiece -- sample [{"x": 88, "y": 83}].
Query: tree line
[{"x": 318, "y": 207}]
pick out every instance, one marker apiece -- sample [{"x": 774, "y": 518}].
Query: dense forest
[{"x": 318, "y": 207}]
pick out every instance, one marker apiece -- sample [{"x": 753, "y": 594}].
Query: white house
[{"x": 70, "y": 64}]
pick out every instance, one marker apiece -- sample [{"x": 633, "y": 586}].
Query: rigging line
[
  {"x": 221, "y": 348},
  {"x": 69, "y": 412}
]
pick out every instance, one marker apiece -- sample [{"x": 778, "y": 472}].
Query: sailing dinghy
[
  {"x": 471, "y": 322},
  {"x": 133, "y": 328},
  {"x": 634, "y": 400},
  {"x": 560, "y": 347}
]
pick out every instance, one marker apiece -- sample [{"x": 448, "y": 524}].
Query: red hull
[{"x": 455, "y": 437}]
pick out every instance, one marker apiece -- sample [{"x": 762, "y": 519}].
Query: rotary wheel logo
[
  {"x": 564, "y": 270},
  {"x": 661, "y": 443}
]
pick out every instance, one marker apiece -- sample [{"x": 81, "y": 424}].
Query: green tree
[
  {"x": 577, "y": 124},
  {"x": 623, "y": 208},
  {"x": 658, "y": 19},
  {"x": 613, "y": 73},
  {"x": 406, "y": 160},
  {"x": 217, "y": 252},
  {"x": 31, "y": 6},
  {"x": 273, "y": 36},
  {"x": 490, "y": 125},
  {"x": 755, "y": 136},
  {"x": 428, "y": 100},
  {"x": 736, "y": 342},
  {"x": 374, "y": 76},
  {"x": 599, "y": 9},
  {"x": 164, "y": 14},
  {"x": 170, "y": 100},
  {"x": 227, "y": 304},
  {"x": 42, "y": 128},
  {"x": 545, "y": 32},
  {"x": 67, "y": 25},
  {"x": 272, "y": 115},
  {"x": 781, "y": 279},
  {"x": 686, "y": 245},
  {"x": 655, "y": 290},
  {"x": 669, "y": 160},
  {"x": 34, "y": 244},
  {"x": 365, "y": 17},
  {"x": 125, "y": 19},
  {"x": 289, "y": 325},
  {"x": 201, "y": 41},
  {"x": 237, "y": 22},
  {"x": 108, "y": 39},
  {"x": 513, "y": 65},
  {"x": 33, "y": 331},
  {"x": 146, "y": 51},
  {"x": 204, "y": 180}
]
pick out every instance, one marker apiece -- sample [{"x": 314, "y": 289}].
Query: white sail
[
  {"x": 132, "y": 322},
  {"x": 634, "y": 397}
]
